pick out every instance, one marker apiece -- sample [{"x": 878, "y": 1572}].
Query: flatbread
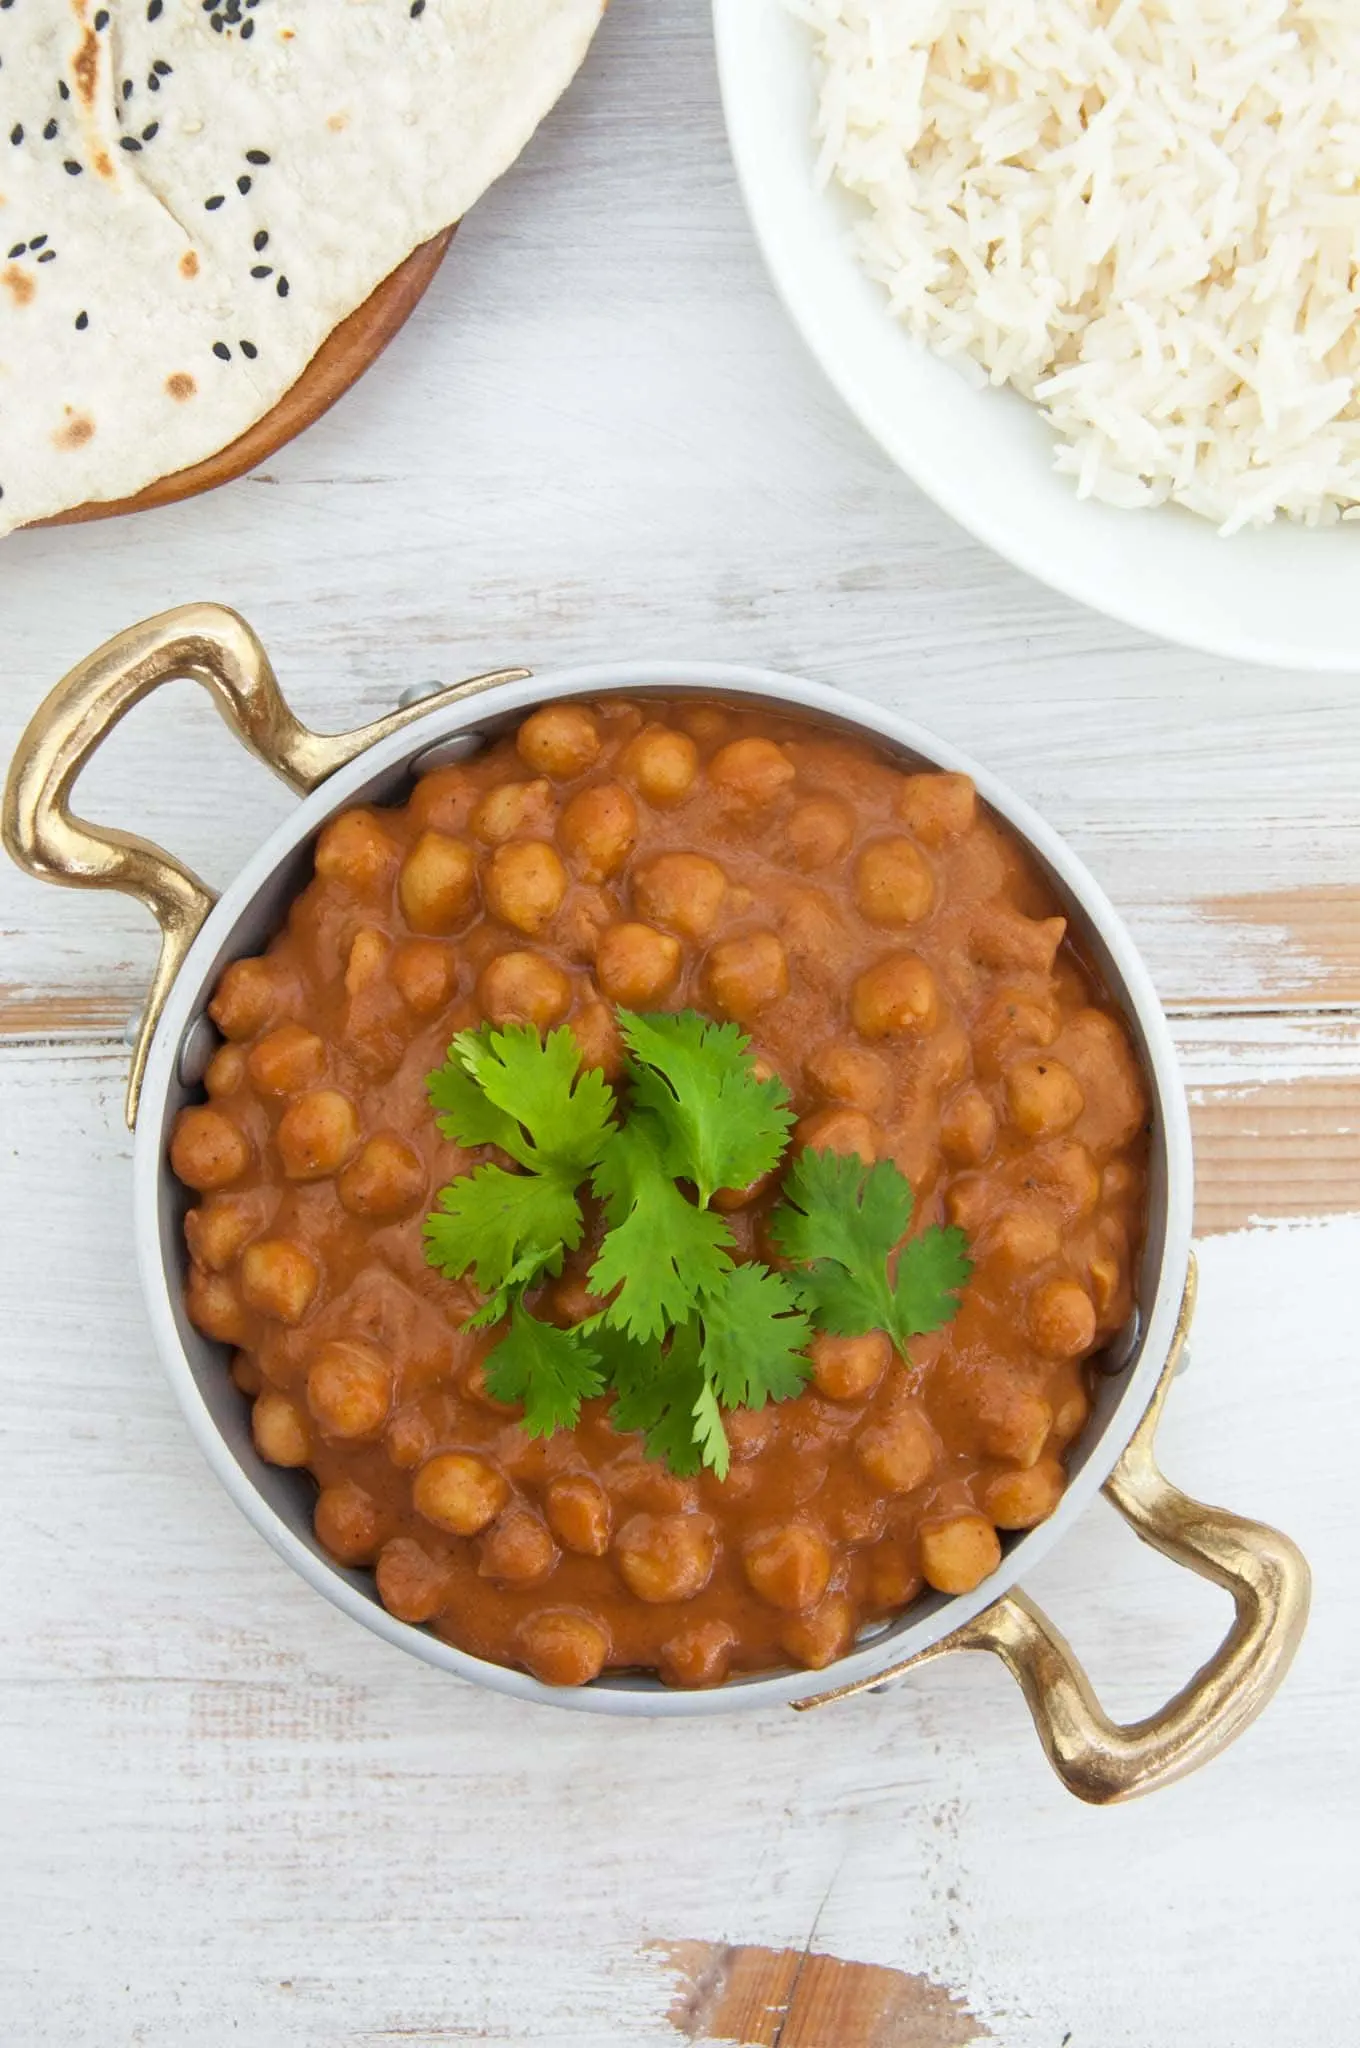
[{"x": 193, "y": 196}]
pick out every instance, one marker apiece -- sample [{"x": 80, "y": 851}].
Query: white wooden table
[{"x": 229, "y": 1816}]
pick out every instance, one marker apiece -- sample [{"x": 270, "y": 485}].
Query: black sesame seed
[
  {"x": 218, "y": 199},
  {"x": 129, "y": 142},
  {"x": 49, "y": 131},
  {"x": 217, "y": 23},
  {"x": 17, "y": 250},
  {"x": 282, "y": 287},
  {"x": 153, "y": 12},
  {"x": 162, "y": 69},
  {"x": 38, "y": 242},
  {"x": 82, "y": 322},
  {"x": 72, "y": 168},
  {"x": 262, "y": 239},
  {"x": 101, "y": 20},
  {"x": 249, "y": 349},
  {"x": 220, "y": 349},
  {"x": 257, "y": 156},
  {"x": 2, "y": 490},
  {"x": 48, "y": 256},
  {"x": 153, "y": 83},
  {"x": 247, "y": 31},
  {"x": 150, "y": 132},
  {"x": 16, "y": 133},
  {"x": 127, "y": 88},
  {"x": 417, "y": 8},
  {"x": 63, "y": 88},
  {"x": 262, "y": 270},
  {"x": 243, "y": 185}
]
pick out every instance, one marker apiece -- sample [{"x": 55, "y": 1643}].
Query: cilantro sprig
[{"x": 686, "y": 1331}]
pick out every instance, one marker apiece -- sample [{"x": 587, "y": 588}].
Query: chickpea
[
  {"x": 598, "y": 829},
  {"x": 1013, "y": 1021},
  {"x": 386, "y": 1179},
  {"x": 410, "y": 1437},
  {"x": 1018, "y": 1500},
  {"x": 968, "y": 1130},
  {"x": 354, "y": 851},
  {"x": 561, "y": 1646},
  {"x": 573, "y": 1302},
  {"x": 1022, "y": 1238},
  {"x": 561, "y": 740},
  {"x": 849, "y": 1368},
  {"x": 524, "y": 988},
  {"x": 848, "y": 1073},
  {"x": 748, "y": 1432},
  {"x": 367, "y": 963},
  {"x": 1069, "y": 1417},
  {"x": 443, "y": 798},
  {"x": 411, "y": 1584},
  {"x": 226, "y": 1071},
  {"x": 245, "y": 1000},
  {"x": 438, "y": 883},
  {"x": 698, "y": 1656},
  {"x": 279, "y": 1429},
  {"x": 460, "y": 1492},
  {"x": 893, "y": 882},
  {"x": 959, "y": 1552},
  {"x": 789, "y": 1566},
  {"x": 662, "y": 762},
  {"x": 246, "y": 1374},
  {"x": 968, "y": 1202},
  {"x": 525, "y": 884},
  {"x": 317, "y": 1134},
  {"x": 937, "y": 806},
  {"x": 208, "y": 1150},
  {"x": 1119, "y": 1183},
  {"x": 682, "y": 890},
  {"x": 1062, "y": 1319},
  {"x": 218, "y": 1230},
  {"x": 847, "y": 1131},
  {"x": 745, "y": 975},
  {"x": 707, "y": 722},
  {"x": 514, "y": 807},
  {"x": 1069, "y": 1173},
  {"x": 578, "y": 1514},
  {"x": 587, "y": 912},
  {"x": 818, "y": 831},
  {"x": 898, "y": 1453},
  {"x": 1043, "y": 1097},
  {"x": 279, "y": 1278},
  {"x": 666, "y": 1557},
  {"x": 349, "y": 1388},
  {"x": 751, "y": 771},
  {"x": 347, "y": 1522},
  {"x": 895, "y": 996},
  {"x": 214, "y": 1307},
  {"x": 424, "y": 975},
  {"x": 517, "y": 1549},
  {"x": 819, "y": 1638},
  {"x": 597, "y": 1034},
  {"x": 1017, "y": 1428},
  {"x": 1003, "y": 938},
  {"x": 636, "y": 965},
  {"x": 1104, "y": 1275},
  {"x": 893, "y": 1580},
  {"x": 286, "y": 1059}
]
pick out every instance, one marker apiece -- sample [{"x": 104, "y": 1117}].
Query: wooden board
[
  {"x": 229, "y": 1816},
  {"x": 340, "y": 361}
]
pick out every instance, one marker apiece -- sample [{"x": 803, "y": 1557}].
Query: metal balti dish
[{"x": 1096, "y": 1758}]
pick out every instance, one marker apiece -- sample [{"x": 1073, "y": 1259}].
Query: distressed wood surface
[{"x": 226, "y": 1814}]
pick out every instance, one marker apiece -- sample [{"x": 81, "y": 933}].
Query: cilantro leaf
[
  {"x": 723, "y": 1127},
  {"x": 550, "y": 1370},
  {"x": 657, "y": 1392},
  {"x": 468, "y": 1118},
  {"x": 541, "y": 1084},
  {"x": 661, "y": 1252},
  {"x": 842, "y": 1221},
  {"x": 754, "y": 1333},
  {"x": 709, "y": 1433},
  {"x": 503, "y": 1227}
]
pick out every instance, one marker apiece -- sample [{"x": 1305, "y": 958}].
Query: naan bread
[{"x": 192, "y": 196}]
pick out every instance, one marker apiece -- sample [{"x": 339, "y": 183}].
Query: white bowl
[{"x": 1282, "y": 594}]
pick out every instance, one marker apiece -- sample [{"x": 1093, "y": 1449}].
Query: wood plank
[{"x": 791, "y": 1998}]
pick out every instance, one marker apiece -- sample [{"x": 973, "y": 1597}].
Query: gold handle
[
  {"x": 1268, "y": 1577},
  {"x": 217, "y": 648}
]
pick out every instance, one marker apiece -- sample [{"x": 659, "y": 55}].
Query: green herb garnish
[{"x": 687, "y": 1332}]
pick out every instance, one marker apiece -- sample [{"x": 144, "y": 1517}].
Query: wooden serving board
[{"x": 339, "y": 362}]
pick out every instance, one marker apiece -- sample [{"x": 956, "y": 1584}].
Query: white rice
[{"x": 1143, "y": 214}]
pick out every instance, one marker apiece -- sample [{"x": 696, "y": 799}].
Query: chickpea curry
[{"x": 893, "y": 975}]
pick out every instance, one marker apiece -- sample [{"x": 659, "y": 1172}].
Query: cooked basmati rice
[{"x": 1143, "y": 214}]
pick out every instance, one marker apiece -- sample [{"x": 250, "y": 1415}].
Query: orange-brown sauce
[{"x": 896, "y": 958}]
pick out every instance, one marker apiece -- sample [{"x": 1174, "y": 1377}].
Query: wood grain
[
  {"x": 795, "y": 1998},
  {"x": 339, "y": 363}
]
